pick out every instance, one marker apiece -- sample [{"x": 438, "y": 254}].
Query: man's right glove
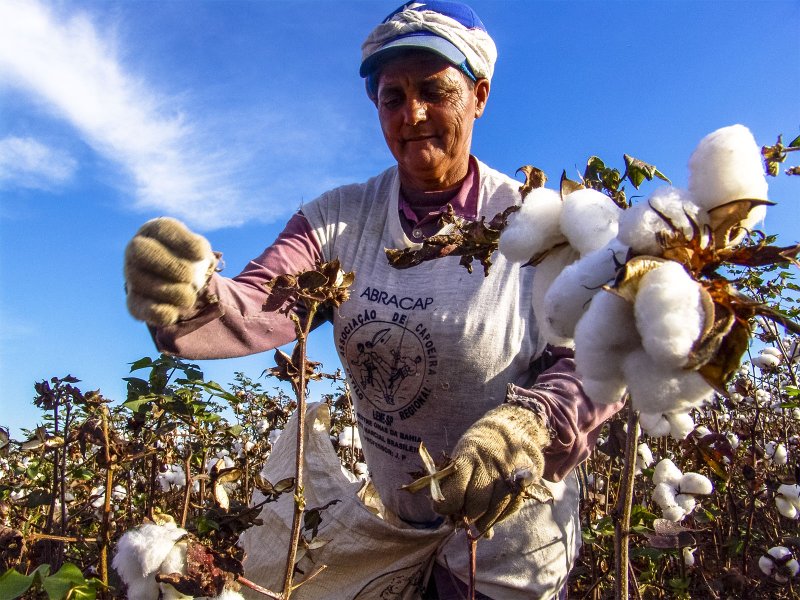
[
  {"x": 494, "y": 460},
  {"x": 166, "y": 266}
]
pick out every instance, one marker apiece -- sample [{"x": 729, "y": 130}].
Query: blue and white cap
[{"x": 450, "y": 29}]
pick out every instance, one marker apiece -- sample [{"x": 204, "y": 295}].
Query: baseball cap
[{"x": 425, "y": 39}]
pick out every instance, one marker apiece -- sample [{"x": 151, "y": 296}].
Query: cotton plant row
[{"x": 630, "y": 289}]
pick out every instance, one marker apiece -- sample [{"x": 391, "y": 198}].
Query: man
[{"x": 429, "y": 351}]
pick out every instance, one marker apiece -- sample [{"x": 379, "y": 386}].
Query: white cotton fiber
[
  {"x": 680, "y": 425},
  {"x": 726, "y": 166},
  {"x": 534, "y": 228},
  {"x": 664, "y": 495},
  {"x": 140, "y": 553},
  {"x": 640, "y": 225},
  {"x": 604, "y": 391},
  {"x": 654, "y": 424},
  {"x": 669, "y": 313},
  {"x": 604, "y": 335},
  {"x": 568, "y": 297},
  {"x": 673, "y": 513},
  {"x": 589, "y": 220},
  {"x": 656, "y": 388},
  {"x": 546, "y": 272},
  {"x": 667, "y": 472},
  {"x": 686, "y": 502},
  {"x": 695, "y": 483}
]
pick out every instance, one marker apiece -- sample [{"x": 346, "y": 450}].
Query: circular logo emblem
[{"x": 386, "y": 363}]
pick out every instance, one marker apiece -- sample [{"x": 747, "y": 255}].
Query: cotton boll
[
  {"x": 733, "y": 440},
  {"x": 726, "y": 166},
  {"x": 546, "y": 272},
  {"x": 791, "y": 492},
  {"x": 140, "y": 553},
  {"x": 589, "y": 220},
  {"x": 644, "y": 457},
  {"x": 669, "y": 313},
  {"x": 640, "y": 225},
  {"x": 766, "y": 361},
  {"x": 667, "y": 472},
  {"x": 654, "y": 424},
  {"x": 786, "y": 508},
  {"x": 664, "y": 495},
  {"x": 570, "y": 294},
  {"x": 534, "y": 228},
  {"x": 654, "y": 388},
  {"x": 680, "y": 425},
  {"x": 695, "y": 483}
]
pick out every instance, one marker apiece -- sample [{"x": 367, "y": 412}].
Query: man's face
[{"x": 427, "y": 109}]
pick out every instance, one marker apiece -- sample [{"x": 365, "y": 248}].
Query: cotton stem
[
  {"x": 623, "y": 508},
  {"x": 299, "y": 501}
]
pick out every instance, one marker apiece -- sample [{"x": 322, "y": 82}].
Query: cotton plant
[
  {"x": 676, "y": 492},
  {"x": 779, "y": 563}
]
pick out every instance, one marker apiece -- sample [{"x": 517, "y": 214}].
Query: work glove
[
  {"x": 166, "y": 266},
  {"x": 495, "y": 461}
]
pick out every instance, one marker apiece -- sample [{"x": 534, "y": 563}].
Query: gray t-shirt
[{"x": 427, "y": 352}]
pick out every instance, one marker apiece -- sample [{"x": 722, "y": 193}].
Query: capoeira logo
[{"x": 387, "y": 364}]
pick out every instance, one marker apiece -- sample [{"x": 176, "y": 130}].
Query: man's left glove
[{"x": 494, "y": 460}]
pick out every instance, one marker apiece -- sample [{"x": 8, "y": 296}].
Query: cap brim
[{"x": 429, "y": 42}]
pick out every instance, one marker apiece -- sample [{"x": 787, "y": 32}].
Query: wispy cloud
[
  {"x": 28, "y": 163},
  {"x": 69, "y": 66}
]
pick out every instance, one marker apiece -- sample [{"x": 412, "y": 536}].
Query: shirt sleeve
[
  {"x": 573, "y": 419},
  {"x": 228, "y": 319}
]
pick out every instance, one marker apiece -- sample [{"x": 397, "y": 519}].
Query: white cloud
[
  {"x": 74, "y": 71},
  {"x": 26, "y": 162}
]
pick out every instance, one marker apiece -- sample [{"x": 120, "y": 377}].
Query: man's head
[
  {"x": 451, "y": 30},
  {"x": 428, "y": 73}
]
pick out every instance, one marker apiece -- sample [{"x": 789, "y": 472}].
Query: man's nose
[{"x": 416, "y": 111}]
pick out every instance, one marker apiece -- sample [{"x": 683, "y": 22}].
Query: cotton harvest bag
[{"x": 366, "y": 557}]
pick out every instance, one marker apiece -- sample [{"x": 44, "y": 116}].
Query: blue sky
[{"x": 229, "y": 115}]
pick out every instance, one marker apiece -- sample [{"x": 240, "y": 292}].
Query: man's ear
[{"x": 482, "y": 87}]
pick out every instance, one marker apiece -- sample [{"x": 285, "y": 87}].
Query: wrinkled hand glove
[
  {"x": 494, "y": 460},
  {"x": 166, "y": 266}
]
